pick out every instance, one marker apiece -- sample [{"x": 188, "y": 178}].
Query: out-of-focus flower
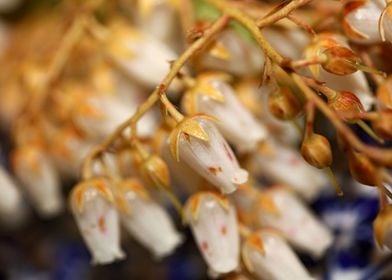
[
  {"x": 285, "y": 165},
  {"x": 145, "y": 219},
  {"x": 140, "y": 55},
  {"x": 9, "y": 5},
  {"x": 361, "y": 20},
  {"x": 198, "y": 142},
  {"x": 384, "y": 94},
  {"x": 213, "y": 96},
  {"x": 385, "y": 24},
  {"x": 92, "y": 204},
  {"x": 279, "y": 208},
  {"x": 267, "y": 256},
  {"x": 12, "y": 210},
  {"x": 382, "y": 227},
  {"x": 39, "y": 178},
  {"x": 214, "y": 225},
  {"x": 233, "y": 54}
]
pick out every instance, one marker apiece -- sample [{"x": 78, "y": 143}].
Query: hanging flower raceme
[
  {"x": 198, "y": 142},
  {"x": 212, "y": 95},
  {"x": 146, "y": 220},
  {"x": 39, "y": 178},
  {"x": 361, "y": 20},
  {"x": 92, "y": 204},
  {"x": 213, "y": 222},
  {"x": 268, "y": 256},
  {"x": 279, "y": 208}
]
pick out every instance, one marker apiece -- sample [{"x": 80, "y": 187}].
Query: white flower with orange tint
[
  {"x": 92, "y": 205},
  {"x": 281, "y": 209},
  {"x": 140, "y": 55},
  {"x": 39, "y": 178},
  {"x": 385, "y": 24},
  {"x": 268, "y": 256},
  {"x": 198, "y": 142},
  {"x": 12, "y": 210},
  {"x": 361, "y": 20},
  {"x": 212, "y": 95},
  {"x": 146, "y": 220},
  {"x": 287, "y": 166},
  {"x": 214, "y": 225}
]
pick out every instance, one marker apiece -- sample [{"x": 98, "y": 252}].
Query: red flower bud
[
  {"x": 316, "y": 150},
  {"x": 362, "y": 169},
  {"x": 346, "y": 103}
]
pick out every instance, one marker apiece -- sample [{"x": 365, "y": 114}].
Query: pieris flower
[
  {"x": 213, "y": 96},
  {"x": 39, "y": 178},
  {"x": 361, "y": 19},
  {"x": 287, "y": 166},
  {"x": 92, "y": 204},
  {"x": 213, "y": 223},
  {"x": 140, "y": 55},
  {"x": 233, "y": 54},
  {"x": 12, "y": 210},
  {"x": 146, "y": 220},
  {"x": 279, "y": 208},
  {"x": 268, "y": 256},
  {"x": 385, "y": 24},
  {"x": 198, "y": 142}
]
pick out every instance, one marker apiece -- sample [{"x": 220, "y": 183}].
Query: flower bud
[
  {"x": 214, "y": 225},
  {"x": 282, "y": 210},
  {"x": 384, "y": 94},
  {"x": 340, "y": 61},
  {"x": 198, "y": 142},
  {"x": 155, "y": 171},
  {"x": 346, "y": 103},
  {"x": 382, "y": 227},
  {"x": 383, "y": 125},
  {"x": 283, "y": 104},
  {"x": 97, "y": 219},
  {"x": 267, "y": 256},
  {"x": 316, "y": 150},
  {"x": 145, "y": 219},
  {"x": 362, "y": 169},
  {"x": 360, "y": 20},
  {"x": 211, "y": 95},
  {"x": 39, "y": 178}
]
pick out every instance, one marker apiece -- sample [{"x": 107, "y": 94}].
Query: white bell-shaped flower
[
  {"x": 233, "y": 54},
  {"x": 361, "y": 20},
  {"x": 39, "y": 178},
  {"x": 213, "y": 96},
  {"x": 281, "y": 209},
  {"x": 12, "y": 210},
  {"x": 198, "y": 142},
  {"x": 146, "y": 220},
  {"x": 92, "y": 204},
  {"x": 214, "y": 225},
  {"x": 140, "y": 55},
  {"x": 286, "y": 166},
  {"x": 268, "y": 256}
]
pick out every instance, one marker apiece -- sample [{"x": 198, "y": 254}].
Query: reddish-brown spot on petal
[
  {"x": 187, "y": 137},
  {"x": 215, "y": 170},
  {"x": 102, "y": 224},
  {"x": 204, "y": 246},
  {"x": 294, "y": 161},
  {"x": 223, "y": 230}
]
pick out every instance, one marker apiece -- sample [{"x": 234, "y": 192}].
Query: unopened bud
[
  {"x": 155, "y": 171},
  {"x": 283, "y": 104},
  {"x": 316, "y": 150},
  {"x": 346, "y": 103},
  {"x": 362, "y": 169},
  {"x": 340, "y": 61}
]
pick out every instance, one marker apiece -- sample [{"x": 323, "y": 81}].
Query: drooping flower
[
  {"x": 146, "y": 220},
  {"x": 213, "y": 222},
  {"x": 267, "y": 256},
  {"x": 213, "y": 96},
  {"x": 281, "y": 209},
  {"x": 92, "y": 204},
  {"x": 39, "y": 178},
  {"x": 198, "y": 142}
]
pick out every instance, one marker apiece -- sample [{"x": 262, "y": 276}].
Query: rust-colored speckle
[
  {"x": 102, "y": 224},
  {"x": 215, "y": 170},
  {"x": 223, "y": 230},
  {"x": 204, "y": 246}
]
